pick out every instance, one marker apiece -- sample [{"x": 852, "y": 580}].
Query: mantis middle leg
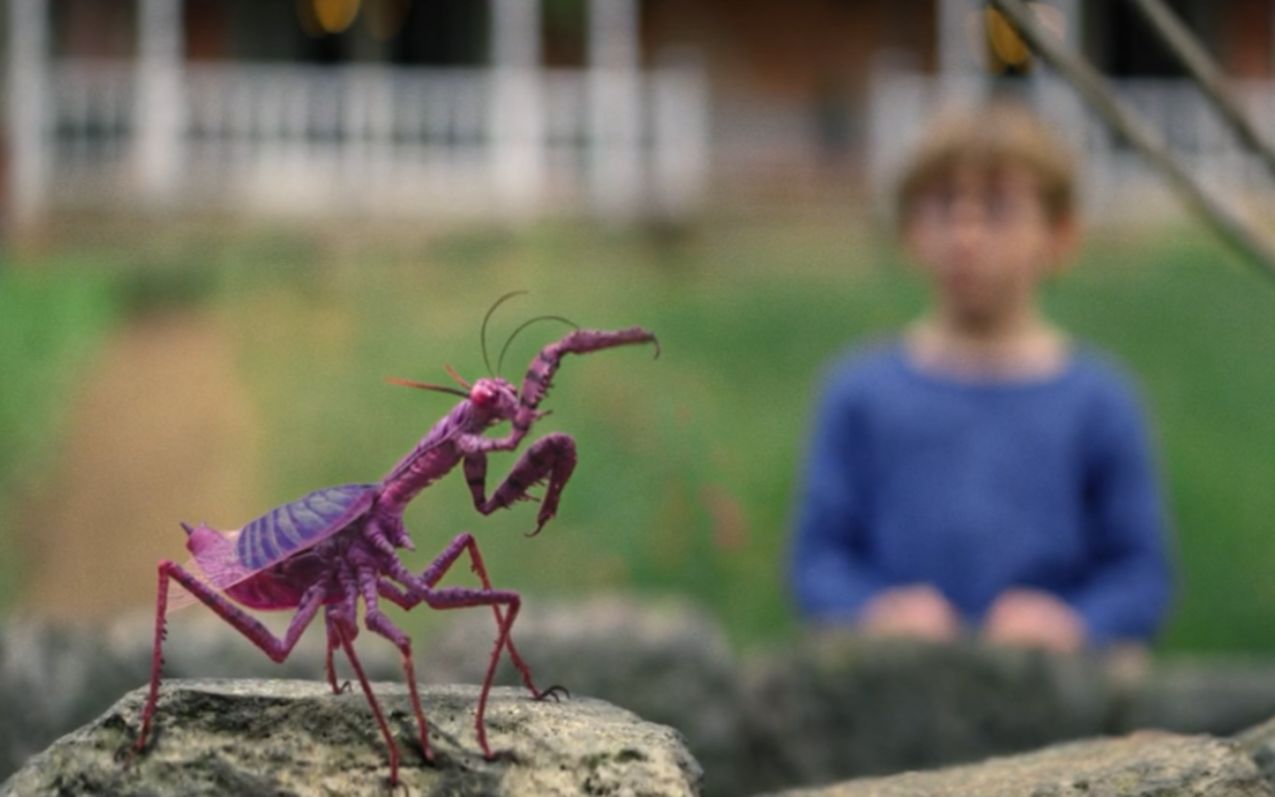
[
  {"x": 418, "y": 591},
  {"x": 465, "y": 543}
]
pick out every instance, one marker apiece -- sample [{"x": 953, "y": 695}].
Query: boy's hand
[
  {"x": 916, "y": 611},
  {"x": 1031, "y": 618}
]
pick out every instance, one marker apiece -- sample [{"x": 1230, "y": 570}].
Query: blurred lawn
[
  {"x": 51, "y": 321},
  {"x": 688, "y": 463}
]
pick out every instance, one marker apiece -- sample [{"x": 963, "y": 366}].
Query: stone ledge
[
  {"x": 1147, "y": 764},
  {"x": 296, "y": 737}
]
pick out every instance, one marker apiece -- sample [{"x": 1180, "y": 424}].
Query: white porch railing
[
  {"x": 385, "y": 140},
  {"x": 1114, "y": 180}
]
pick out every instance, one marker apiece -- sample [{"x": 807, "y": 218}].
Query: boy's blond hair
[{"x": 990, "y": 137}]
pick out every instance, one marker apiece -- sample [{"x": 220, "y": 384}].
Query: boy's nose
[{"x": 967, "y": 229}]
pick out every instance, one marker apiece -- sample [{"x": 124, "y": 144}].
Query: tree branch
[
  {"x": 1087, "y": 81},
  {"x": 1207, "y": 75}
]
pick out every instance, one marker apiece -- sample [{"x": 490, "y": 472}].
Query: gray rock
[
  {"x": 1258, "y": 743},
  {"x": 297, "y": 738},
  {"x": 1148, "y": 764},
  {"x": 666, "y": 660},
  {"x": 823, "y": 710},
  {"x": 54, "y": 678},
  {"x": 837, "y": 707},
  {"x": 1217, "y": 696}
]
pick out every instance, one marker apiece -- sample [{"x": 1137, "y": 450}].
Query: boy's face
[{"x": 983, "y": 238}]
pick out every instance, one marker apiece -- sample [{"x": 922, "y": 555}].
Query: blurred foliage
[
  {"x": 1197, "y": 327},
  {"x": 688, "y": 463},
  {"x": 51, "y": 321}
]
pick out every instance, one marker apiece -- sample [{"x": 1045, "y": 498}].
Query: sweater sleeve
[
  {"x": 829, "y": 576},
  {"x": 1127, "y": 593}
]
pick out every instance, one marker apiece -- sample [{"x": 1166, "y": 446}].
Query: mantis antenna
[
  {"x": 486, "y": 318},
  {"x": 501, "y": 359}
]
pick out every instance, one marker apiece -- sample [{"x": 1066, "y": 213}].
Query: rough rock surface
[
  {"x": 666, "y": 660},
  {"x": 1258, "y": 743},
  {"x": 1218, "y": 696},
  {"x": 819, "y": 711},
  {"x": 838, "y": 707},
  {"x": 1147, "y": 764},
  {"x": 297, "y": 738},
  {"x": 54, "y": 677}
]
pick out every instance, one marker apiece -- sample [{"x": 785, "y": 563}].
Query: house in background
[
  {"x": 1142, "y": 72},
  {"x": 614, "y": 108},
  {"x": 391, "y": 107},
  {"x": 823, "y": 98}
]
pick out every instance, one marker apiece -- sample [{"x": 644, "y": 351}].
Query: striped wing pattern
[{"x": 295, "y": 526}]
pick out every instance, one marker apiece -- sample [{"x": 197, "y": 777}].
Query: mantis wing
[{"x": 224, "y": 559}]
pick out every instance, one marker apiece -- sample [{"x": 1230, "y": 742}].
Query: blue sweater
[{"x": 979, "y": 486}]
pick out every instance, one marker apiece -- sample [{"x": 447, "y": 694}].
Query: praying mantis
[{"x": 339, "y": 545}]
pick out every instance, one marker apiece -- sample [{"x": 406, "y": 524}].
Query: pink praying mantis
[{"x": 339, "y": 544}]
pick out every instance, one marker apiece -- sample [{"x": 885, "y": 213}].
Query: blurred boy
[{"x": 983, "y": 472}]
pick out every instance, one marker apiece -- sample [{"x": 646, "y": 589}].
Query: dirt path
[{"x": 163, "y": 432}]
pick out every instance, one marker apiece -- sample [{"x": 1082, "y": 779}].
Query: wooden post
[
  {"x": 28, "y": 92},
  {"x": 516, "y": 117},
  {"x": 615, "y": 108},
  {"x": 680, "y": 134},
  {"x": 961, "y": 55},
  {"x": 1089, "y": 83},
  {"x": 1050, "y": 91},
  {"x": 160, "y": 109}
]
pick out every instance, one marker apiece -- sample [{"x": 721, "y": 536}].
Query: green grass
[
  {"x": 688, "y": 463},
  {"x": 1198, "y": 329},
  {"x": 51, "y": 320}
]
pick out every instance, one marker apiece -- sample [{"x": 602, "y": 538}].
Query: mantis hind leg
[
  {"x": 390, "y": 746},
  {"x": 277, "y": 649},
  {"x": 334, "y": 642}
]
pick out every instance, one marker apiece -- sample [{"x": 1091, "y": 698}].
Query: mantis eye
[{"x": 482, "y": 395}]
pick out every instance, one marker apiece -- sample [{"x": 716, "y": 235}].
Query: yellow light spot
[
  {"x": 1007, "y": 47},
  {"x": 334, "y": 16},
  {"x": 991, "y": 32}
]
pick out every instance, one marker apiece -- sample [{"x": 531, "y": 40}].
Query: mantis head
[{"x": 495, "y": 397}]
